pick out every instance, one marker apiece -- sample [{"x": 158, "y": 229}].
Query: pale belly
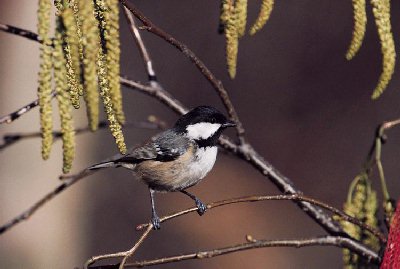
[{"x": 180, "y": 174}]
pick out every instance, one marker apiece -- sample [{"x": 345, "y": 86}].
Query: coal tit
[{"x": 178, "y": 158}]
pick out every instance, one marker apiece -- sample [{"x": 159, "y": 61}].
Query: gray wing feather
[{"x": 166, "y": 146}]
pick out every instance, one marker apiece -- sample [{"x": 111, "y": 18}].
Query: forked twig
[{"x": 124, "y": 254}]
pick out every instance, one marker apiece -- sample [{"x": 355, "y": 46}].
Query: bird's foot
[
  {"x": 201, "y": 208},
  {"x": 155, "y": 220}
]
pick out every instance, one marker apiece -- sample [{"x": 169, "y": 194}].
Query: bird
[{"x": 177, "y": 158}]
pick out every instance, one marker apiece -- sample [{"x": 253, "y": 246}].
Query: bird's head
[{"x": 203, "y": 124}]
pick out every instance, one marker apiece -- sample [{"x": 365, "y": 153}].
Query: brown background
[{"x": 305, "y": 108}]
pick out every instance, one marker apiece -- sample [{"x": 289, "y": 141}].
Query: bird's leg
[
  {"x": 155, "y": 220},
  {"x": 201, "y": 208}
]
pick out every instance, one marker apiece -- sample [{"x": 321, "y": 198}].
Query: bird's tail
[
  {"x": 112, "y": 164},
  {"x": 102, "y": 165}
]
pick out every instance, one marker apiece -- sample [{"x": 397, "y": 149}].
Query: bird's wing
[{"x": 164, "y": 147}]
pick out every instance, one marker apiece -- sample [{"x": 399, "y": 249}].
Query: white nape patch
[{"x": 202, "y": 130}]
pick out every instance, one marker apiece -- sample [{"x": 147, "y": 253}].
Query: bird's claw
[
  {"x": 155, "y": 220},
  {"x": 201, "y": 208}
]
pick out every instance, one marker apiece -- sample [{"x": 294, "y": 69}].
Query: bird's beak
[{"x": 229, "y": 123}]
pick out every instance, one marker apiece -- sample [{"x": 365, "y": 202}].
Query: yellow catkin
[
  {"x": 44, "y": 89},
  {"x": 232, "y": 40},
  {"x": 361, "y": 204},
  {"x": 91, "y": 48},
  {"x": 71, "y": 51},
  {"x": 59, "y": 4},
  {"x": 371, "y": 209},
  {"x": 381, "y": 10},
  {"x": 263, "y": 16},
  {"x": 224, "y": 14},
  {"x": 240, "y": 16},
  {"x": 115, "y": 126},
  {"x": 74, "y": 4},
  {"x": 360, "y": 23},
  {"x": 64, "y": 105},
  {"x": 111, "y": 36}
]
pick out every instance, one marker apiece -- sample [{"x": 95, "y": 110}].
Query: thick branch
[
  {"x": 245, "y": 150},
  {"x": 247, "y": 153}
]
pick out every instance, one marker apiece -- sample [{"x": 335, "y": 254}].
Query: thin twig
[
  {"x": 336, "y": 241},
  {"x": 67, "y": 182},
  {"x": 148, "y": 64},
  {"x": 124, "y": 254},
  {"x": 31, "y": 210},
  {"x": 18, "y": 113},
  {"x": 19, "y": 31},
  {"x": 11, "y": 138},
  {"x": 293, "y": 197},
  {"x": 223, "y": 94},
  {"x": 374, "y": 158}
]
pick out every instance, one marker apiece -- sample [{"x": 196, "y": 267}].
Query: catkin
[
  {"x": 71, "y": 51},
  {"x": 361, "y": 204},
  {"x": 381, "y": 10},
  {"x": 75, "y": 8},
  {"x": 44, "y": 89},
  {"x": 232, "y": 40},
  {"x": 64, "y": 105},
  {"x": 240, "y": 16},
  {"x": 115, "y": 126},
  {"x": 263, "y": 16},
  {"x": 91, "y": 48},
  {"x": 360, "y": 23},
  {"x": 113, "y": 56},
  {"x": 224, "y": 15}
]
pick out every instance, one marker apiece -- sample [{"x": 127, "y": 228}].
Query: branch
[
  {"x": 19, "y": 31},
  {"x": 12, "y": 138},
  {"x": 293, "y": 197},
  {"x": 68, "y": 181},
  {"x": 148, "y": 65},
  {"x": 245, "y": 152},
  {"x": 125, "y": 254},
  {"x": 223, "y": 94},
  {"x": 336, "y": 241},
  {"x": 36, "y": 206},
  {"x": 18, "y": 113}
]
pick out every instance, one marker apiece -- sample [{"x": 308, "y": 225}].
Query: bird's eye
[{"x": 213, "y": 120}]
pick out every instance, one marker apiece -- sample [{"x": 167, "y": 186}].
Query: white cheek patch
[{"x": 202, "y": 130}]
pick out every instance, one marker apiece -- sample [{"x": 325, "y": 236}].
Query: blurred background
[{"x": 305, "y": 109}]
